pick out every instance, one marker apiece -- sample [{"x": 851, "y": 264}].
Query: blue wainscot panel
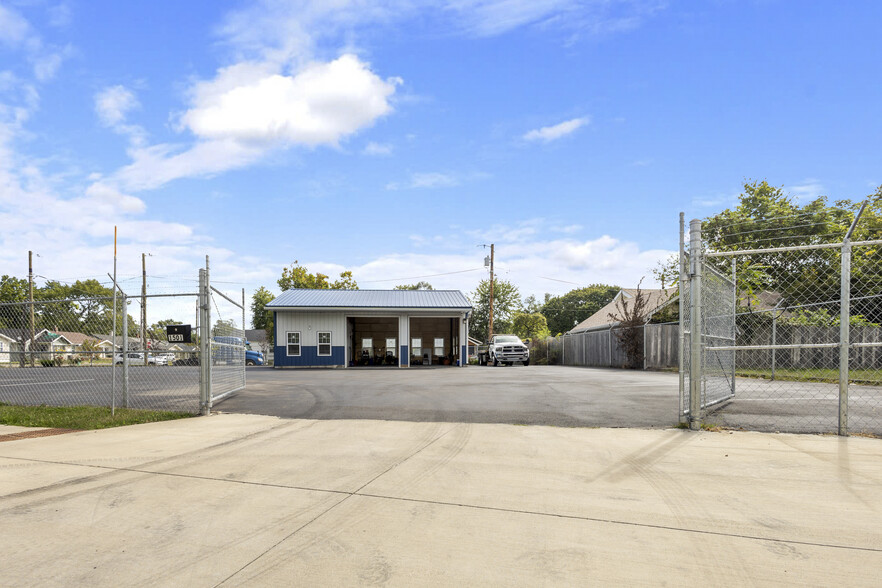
[
  {"x": 405, "y": 356},
  {"x": 309, "y": 357}
]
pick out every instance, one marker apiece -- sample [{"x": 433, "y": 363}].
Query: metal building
[{"x": 344, "y": 328}]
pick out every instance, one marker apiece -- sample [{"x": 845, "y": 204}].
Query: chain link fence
[
  {"x": 790, "y": 336},
  {"x": 89, "y": 350},
  {"x": 227, "y": 345}
]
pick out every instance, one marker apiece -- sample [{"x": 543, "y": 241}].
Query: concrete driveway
[
  {"x": 241, "y": 500},
  {"x": 535, "y": 395}
]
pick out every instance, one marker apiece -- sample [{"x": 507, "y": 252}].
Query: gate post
[
  {"x": 681, "y": 331},
  {"x": 844, "y": 335},
  {"x": 125, "y": 353},
  {"x": 204, "y": 346},
  {"x": 695, "y": 350}
]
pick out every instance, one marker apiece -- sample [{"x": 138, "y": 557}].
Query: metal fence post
[
  {"x": 204, "y": 347},
  {"x": 695, "y": 375},
  {"x": 207, "y": 328},
  {"x": 774, "y": 342},
  {"x": 844, "y": 335},
  {"x": 734, "y": 321},
  {"x": 681, "y": 331},
  {"x": 125, "y": 354}
]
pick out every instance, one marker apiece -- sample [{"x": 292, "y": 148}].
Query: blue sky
[{"x": 394, "y": 137}]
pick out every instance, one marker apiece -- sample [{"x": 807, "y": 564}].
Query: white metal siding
[{"x": 309, "y": 323}]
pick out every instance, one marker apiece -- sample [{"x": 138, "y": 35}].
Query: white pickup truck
[{"x": 505, "y": 349}]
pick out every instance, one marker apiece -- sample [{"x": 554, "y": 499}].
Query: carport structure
[{"x": 347, "y": 328}]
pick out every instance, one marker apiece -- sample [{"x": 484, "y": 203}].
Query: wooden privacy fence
[{"x": 601, "y": 348}]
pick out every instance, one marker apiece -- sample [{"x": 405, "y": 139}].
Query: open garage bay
[{"x": 541, "y": 395}]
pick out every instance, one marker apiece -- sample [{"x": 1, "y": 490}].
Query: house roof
[
  {"x": 12, "y": 334},
  {"x": 77, "y": 338},
  {"x": 256, "y": 335},
  {"x": 655, "y": 299},
  {"x": 345, "y": 299}
]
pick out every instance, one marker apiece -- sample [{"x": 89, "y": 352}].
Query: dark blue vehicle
[{"x": 228, "y": 351}]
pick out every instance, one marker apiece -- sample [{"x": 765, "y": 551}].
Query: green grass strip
[
  {"x": 831, "y": 376},
  {"x": 81, "y": 417}
]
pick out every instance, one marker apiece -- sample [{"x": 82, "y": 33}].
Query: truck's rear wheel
[{"x": 249, "y": 362}]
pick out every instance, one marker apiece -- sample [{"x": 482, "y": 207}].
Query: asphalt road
[
  {"x": 536, "y": 395},
  {"x": 150, "y": 387}
]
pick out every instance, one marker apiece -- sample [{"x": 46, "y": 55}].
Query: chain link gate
[
  {"x": 797, "y": 330},
  {"x": 709, "y": 329}
]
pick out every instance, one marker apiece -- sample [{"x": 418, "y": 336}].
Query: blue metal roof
[{"x": 428, "y": 299}]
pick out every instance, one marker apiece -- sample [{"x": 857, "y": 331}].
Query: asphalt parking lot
[{"x": 534, "y": 395}]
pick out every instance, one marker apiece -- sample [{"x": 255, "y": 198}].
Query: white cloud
[
  {"x": 17, "y": 33},
  {"x": 14, "y": 28},
  {"x": 104, "y": 194},
  {"x": 531, "y": 254},
  {"x": 425, "y": 180},
  {"x": 377, "y": 149},
  {"x": 807, "y": 190},
  {"x": 321, "y": 104},
  {"x": 157, "y": 165},
  {"x": 552, "y": 133},
  {"x": 493, "y": 17},
  {"x": 112, "y": 104},
  {"x": 534, "y": 264},
  {"x": 277, "y": 93},
  {"x": 567, "y": 229}
]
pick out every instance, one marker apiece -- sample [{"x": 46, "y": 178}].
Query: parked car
[
  {"x": 505, "y": 349},
  {"x": 135, "y": 358}
]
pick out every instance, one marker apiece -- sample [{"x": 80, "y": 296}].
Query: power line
[
  {"x": 419, "y": 277},
  {"x": 556, "y": 280}
]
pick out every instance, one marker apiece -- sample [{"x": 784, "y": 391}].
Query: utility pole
[
  {"x": 144, "y": 305},
  {"x": 491, "y": 291},
  {"x": 31, "y": 300}
]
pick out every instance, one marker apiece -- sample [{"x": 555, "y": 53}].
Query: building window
[
  {"x": 324, "y": 342},
  {"x": 293, "y": 344}
]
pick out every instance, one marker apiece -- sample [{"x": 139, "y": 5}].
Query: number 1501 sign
[{"x": 178, "y": 333}]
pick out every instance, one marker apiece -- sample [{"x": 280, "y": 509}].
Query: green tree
[
  {"x": 565, "y": 312},
  {"x": 417, "y": 286},
  {"x": 631, "y": 317},
  {"x": 86, "y": 307},
  {"x": 261, "y": 318},
  {"x": 532, "y": 306},
  {"x": 667, "y": 272},
  {"x": 157, "y": 331},
  {"x": 298, "y": 276},
  {"x": 529, "y": 326},
  {"x": 767, "y": 217},
  {"x": 90, "y": 347},
  {"x": 13, "y": 289},
  {"x": 223, "y": 327},
  {"x": 506, "y": 301}
]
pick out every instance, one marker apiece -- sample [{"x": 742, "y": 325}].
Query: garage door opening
[
  {"x": 373, "y": 341},
  {"x": 434, "y": 341}
]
